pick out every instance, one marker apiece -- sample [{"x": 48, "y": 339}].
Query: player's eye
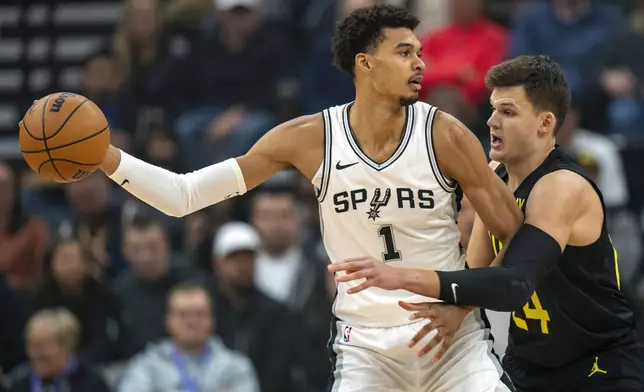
[
  {"x": 420, "y": 55},
  {"x": 404, "y": 54},
  {"x": 508, "y": 113}
]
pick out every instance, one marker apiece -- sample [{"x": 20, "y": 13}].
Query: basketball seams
[
  {"x": 67, "y": 144},
  {"x": 44, "y": 140},
  {"x": 65, "y": 160},
  {"x": 67, "y": 119}
]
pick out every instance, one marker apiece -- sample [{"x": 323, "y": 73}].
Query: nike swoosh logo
[
  {"x": 454, "y": 286},
  {"x": 126, "y": 181},
  {"x": 342, "y": 167}
]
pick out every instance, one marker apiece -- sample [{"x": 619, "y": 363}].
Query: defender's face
[
  {"x": 514, "y": 124},
  {"x": 397, "y": 65}
]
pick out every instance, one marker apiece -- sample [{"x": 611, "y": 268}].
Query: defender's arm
[
  {"x": 554, "y": 205},
  {"x": 182, "y": 194}
]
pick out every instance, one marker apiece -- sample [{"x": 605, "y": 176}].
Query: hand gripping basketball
[{"x": 64, "y": 137}]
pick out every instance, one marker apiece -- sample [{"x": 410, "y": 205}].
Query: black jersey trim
[
  {"x": 327, "y": 163},
  {"x": 402, "y": 146},
  {"x": 445, "y": 183}
]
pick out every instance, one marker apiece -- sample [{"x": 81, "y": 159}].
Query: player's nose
[
  {"x": 493, "y": 121},
  {"x": 420, "y": 65}
]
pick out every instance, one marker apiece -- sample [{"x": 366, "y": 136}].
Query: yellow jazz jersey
[{"x": 578, "y": 307}]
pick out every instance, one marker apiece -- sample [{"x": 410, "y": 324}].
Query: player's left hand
[
  {"x": 445, "y": 319},
  {"x": 375, "y": 272}
]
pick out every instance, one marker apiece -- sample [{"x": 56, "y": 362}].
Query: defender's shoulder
[
  {"x": 565, "y": 188},
  {"x": 494, "y": 165}
]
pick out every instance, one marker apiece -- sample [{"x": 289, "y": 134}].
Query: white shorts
[{"x": 379, "y": 360}]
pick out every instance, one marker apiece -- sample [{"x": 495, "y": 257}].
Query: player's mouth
[
  {"x": 415, "y": 82},
  {"x": 495, "y": 142}
]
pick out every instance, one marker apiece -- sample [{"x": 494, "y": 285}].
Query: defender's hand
[
  {"x": 445, "y": 319},
  {"x": 376, "y": 273}
]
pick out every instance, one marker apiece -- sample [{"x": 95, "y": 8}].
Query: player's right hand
[{"x": 444, "y": 318}]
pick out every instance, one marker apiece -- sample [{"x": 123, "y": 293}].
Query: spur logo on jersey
[{"x": 381, "y": 198}]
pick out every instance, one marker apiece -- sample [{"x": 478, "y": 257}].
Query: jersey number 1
[{"x": 391, "y": 253}]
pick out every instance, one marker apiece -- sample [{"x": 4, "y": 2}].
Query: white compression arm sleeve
[{"x": 179, "y": 194}]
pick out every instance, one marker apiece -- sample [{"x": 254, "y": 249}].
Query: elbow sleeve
[
  {"x": 529, "y": 257},
  {"x": 179, "y": 194}
]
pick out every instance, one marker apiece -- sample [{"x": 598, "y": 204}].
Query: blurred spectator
[
  {"x": 52, "y": 336},
  {"x": 226, "y": 88},
  {"x": 571, "y": 32},
  {"x": 143, "y": 289},
  {"x": 23, "y": 240},
  {"x": 97, "y": 220},
  {"x": 13, "y": 316},
  {"x": 192, "y": 360},
  {"x": 600, "y": 158},
  {"x": 622, "y": 78},
  {"x": 141, "y": 43},
  {"x": 69, "y": 283},
  {"x": 457, "y": 58},
  {"x": 284, "y": 270},
  {"x": 324, "y": 85},
  {"x": 251, "y": 322},
  {"x": 101, "y": 81}
]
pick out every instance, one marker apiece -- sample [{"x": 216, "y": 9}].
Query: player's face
[
  {"x": 396, "y": 67},
  {"x": 515, "y": 126}
]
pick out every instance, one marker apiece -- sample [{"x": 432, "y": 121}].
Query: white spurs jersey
[{"x": 402, "y": 211}]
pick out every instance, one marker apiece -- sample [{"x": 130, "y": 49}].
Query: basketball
[{"x": 64, "y": 137}]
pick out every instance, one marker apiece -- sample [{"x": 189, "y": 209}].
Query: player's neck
[
  {"x": 521, "y": 168},
  {"x": 375, "y": 122}
]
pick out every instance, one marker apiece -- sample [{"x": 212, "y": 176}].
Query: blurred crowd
[{"x": 100, "y": 292}]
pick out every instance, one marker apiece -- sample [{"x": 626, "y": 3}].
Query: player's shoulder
[
  {"x": 564, "y": 187},
  {"x": 309, "y": 127}
]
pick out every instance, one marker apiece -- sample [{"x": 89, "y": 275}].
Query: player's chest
[{"x": 386, "y": 199}]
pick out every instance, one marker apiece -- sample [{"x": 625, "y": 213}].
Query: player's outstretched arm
[
  {"x": 182, "y": 194},
  {"x": 556, "y": 202},
  {"x": 461, "y": 157}
]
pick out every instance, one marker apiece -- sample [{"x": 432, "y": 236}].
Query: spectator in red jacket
[{"x": 457, "y": 57}]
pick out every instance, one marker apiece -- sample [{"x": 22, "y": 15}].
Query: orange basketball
[{"x": 64, "y": 137}]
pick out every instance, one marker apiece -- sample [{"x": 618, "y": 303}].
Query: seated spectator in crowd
[
  {"x": 251, "y": 322},
  {"x": 13, "y": 316},
  {"x": 458, "y": 56},
  {"x": 622, "y": 78},
  {"x": 323, "y": 85},
  {"x": 143, "y": 288},
  {"x": 52, "y": 338},
  {"x": 601, "y": 159},
  {"x": 192, "y": 359},
  {"x": 69, "y": 283},
  {"x": 140, "y": 46},
  {"x": 285, "y": 270},
  {"x": 572, "y": 33},
  {"x": 97, "y": 220},
  {"x": 23, "y": 240},
  {"x": 227, "y": 87},
  {"x": 101, "y": 81}
]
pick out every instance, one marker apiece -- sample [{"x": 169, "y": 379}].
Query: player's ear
[
  {"x": 363, "y": 62},
  {"x": 548, "y": 122}
]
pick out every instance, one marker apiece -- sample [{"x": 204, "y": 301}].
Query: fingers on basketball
[{"x": 64, "y": 137}]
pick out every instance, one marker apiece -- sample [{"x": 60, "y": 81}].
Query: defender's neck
[{"x": 520, "y": 169}]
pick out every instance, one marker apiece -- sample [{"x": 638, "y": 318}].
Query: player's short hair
[
  {"x": 361, "y": 32},
  {"x": 543, "y": 80}
]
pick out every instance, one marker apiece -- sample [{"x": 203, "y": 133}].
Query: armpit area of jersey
[{"x": 530, "y": 255}]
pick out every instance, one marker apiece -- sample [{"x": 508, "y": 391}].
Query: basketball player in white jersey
[{"x": 388, "y": 172}]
